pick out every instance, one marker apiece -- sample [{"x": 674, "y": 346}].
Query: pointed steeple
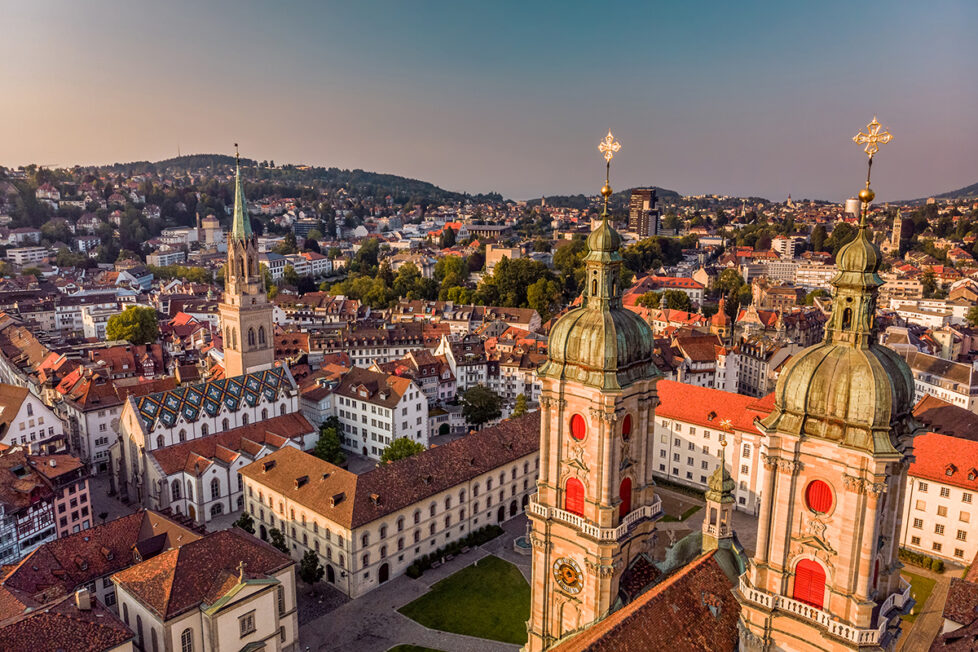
[
  {"x": 718, "y": 522},
  {"x": 241, "y": 224}
]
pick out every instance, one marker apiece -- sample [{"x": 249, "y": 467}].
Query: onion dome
[
  {"x": 601, "y": 343},
  {"x": 848, "y": 388},
  {"x": 720, "y": 486}
]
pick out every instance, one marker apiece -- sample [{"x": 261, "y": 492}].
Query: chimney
[
  {"x": 83, "y": 600},
  {"x": 52, "y": 463}
]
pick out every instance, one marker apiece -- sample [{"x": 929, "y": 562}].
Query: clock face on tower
[{"x": 568, "y": 575}]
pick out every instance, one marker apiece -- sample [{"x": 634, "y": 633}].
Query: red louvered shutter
[
  {"x": 626, "y": 427},
  {"x": 818, "y": 496},
  {"x": 625, "y": 493},
  {"x": 574, "y": 497},
  {"x": 578, "y": 427},
  {"x": 809, "y": 583}
]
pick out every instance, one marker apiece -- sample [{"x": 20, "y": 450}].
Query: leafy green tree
[
  {"x": 544, "y": 296},
  {"x": 451, "y": 271},
  {"x": 972, "y": 316},
  {"x": 310, "y": 570},
  {"x": 277, "y": 539},
  {"x": 448, "y": 238},
  {"x": 328, "y": 446},
  {"x": 842, "y": 234},
  {"x": 814, "y": 294},
  {"x": 480, "y": 405},
  {"x": 245, "y": 522},
  {"x": 136, "y": 324},
  {"x": 818, "y": 238},
  {"x": 314, "y": 234},
  {"x": 288, "y": 245},
  {"x": 649, "y": 300},
  {"x": 677, "y": 300},
  {"x": 290, "y": 276},
  {"x": 400, "y": 448},
  {"x": 521, "y": 406}
]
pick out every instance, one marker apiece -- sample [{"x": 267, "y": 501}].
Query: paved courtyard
[
  {"x": 103, "y": 503},
  {"x": 372, "y": 623}
]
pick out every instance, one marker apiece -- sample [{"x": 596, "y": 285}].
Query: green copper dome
[
  {"x": 601, "y": 343},
  {"x": 848, "y": 388},
  {"x": 720, "y": 485}
]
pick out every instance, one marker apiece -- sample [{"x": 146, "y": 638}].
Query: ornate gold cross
[
  {"x": 873, "y": 139},
  {"x": 609, "y": 147}
]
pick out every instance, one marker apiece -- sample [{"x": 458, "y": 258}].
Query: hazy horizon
[{"x": 758, "y": 100}]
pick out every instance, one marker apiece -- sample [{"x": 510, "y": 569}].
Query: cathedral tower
[
  {"x": 825, "y": 574},
  {"x": 595, "y": 508},
  {"x": 246, "y": 315}
]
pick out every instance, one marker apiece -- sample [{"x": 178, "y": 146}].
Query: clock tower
[
  {"x": 595, "y": 509},
  {"x": 246, "y": 315}
]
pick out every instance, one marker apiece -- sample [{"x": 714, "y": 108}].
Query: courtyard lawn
[
  {"x": 412, "y": 648},
  {"x": 921, "y": 588},
  {"x": 489, "y": 599},
  {"x": 668, "y": 518}
]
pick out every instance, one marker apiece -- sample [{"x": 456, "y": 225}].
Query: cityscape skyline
[{"x": 740, "y": 101}]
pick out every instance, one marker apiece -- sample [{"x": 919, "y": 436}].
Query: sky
[{"x": 748, "y": 98}]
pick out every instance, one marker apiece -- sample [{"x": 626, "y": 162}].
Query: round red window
[
  {"x": 578, "y": 427},
  {"x": 626, "y": 426},
  {"x": 818, "y": 496}
]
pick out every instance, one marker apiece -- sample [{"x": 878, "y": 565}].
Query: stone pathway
[
  {"x": 930, "y": 617},
  {"x": 372, "y": 623}
]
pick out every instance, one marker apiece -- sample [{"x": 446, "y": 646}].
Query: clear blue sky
[{"x": 740, "y": 98}]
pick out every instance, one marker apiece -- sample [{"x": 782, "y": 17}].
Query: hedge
[
  {"x": 923, "y": 561},
  {"x": 475, "y": 538}
]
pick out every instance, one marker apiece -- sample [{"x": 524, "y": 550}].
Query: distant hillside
[
  {"x": 968, "y": 192},
  {"x": 357, "y": 182},
  {"x": 618, "y": 200}
]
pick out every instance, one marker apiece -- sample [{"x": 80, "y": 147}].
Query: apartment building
[
  {"x": 375, "y": 408},
  {"x": 691, "y": 424},
  {"x": 954, "y": 382},
  {"x": 368, "y": 528}
]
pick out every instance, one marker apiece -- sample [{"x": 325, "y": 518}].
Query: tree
[
  {"x": 448, "y": 238},
  {"x": 277, "y": 539},
  {"x": 811, "y": 296},
  {"x": 649, "y": 300},
  {"x": 136, "y": 324},
  {"x": 328, "y": 446},
  {"x": 310, "y": 570},
  {"x": 400, "y": 448},
  {"x": 677, "y": 300},
  {"x": 290, "y": 276},
  {"x": 288, "y": 245},
  {"x": 818, "y": 238},
  {"x": 972, "y": 316},
  {"x": 480, "y": 404},
  {"x": 520, "y": 408},
  {"x": 544, "y": 297},
  {"x": 245, "y": 522}
]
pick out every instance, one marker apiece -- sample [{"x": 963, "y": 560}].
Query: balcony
[
  {"x": 893, "y": 606},
  {"x": 588, "y": 528}
]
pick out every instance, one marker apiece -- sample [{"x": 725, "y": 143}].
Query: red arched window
[
  {"x": 578, "y": 427},
  {"x": 818, "y": 496},
  {"x": 625, "y": 493},
  {"x": 574, "y": 497},
  {"x": 626, "y": 427},
  {"x": 809, "y": 583}
]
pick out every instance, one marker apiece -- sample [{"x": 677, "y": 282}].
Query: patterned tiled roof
[{"x": 188, "y": 402}]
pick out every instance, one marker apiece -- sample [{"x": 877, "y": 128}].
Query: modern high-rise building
[
  {"x": 643, "y": 215},
  {"x": 246, "y": 315}
]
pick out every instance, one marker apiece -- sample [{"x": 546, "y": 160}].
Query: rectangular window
[
  {"x": 964, "y": 517},
  {"x": 945, "y": 492},
  {"x": 915, "y": 541},
  {"x": 675, "y": 457},
  {"x": 941, "y": 510},
  {"x": 744, "y": 469},
  {"x": 704, "y": 465},
  {"x": 958, "y": 552},
  {"x": 918, "y": 523},
  {"x": 938, "y": 529},
  {"x": 936, "y": 546},
  {"x": 922, "y": 486},
  {"x": 921, "y": 505},
  {"x": 692, "y": 446},
  {"x": 966, "y": 497},
  {"x": 962, "y": 535},
  {"x": 246, "y": 623}
]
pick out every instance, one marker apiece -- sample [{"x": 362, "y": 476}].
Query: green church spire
[{"x": 241, "y": 224}]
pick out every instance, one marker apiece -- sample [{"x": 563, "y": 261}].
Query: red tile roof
[
  {"x": 201, "y": 571},
  {"x": 63, "y": 626},
  {"x": 942, "y": 458},
  {"x": 708, "y": 407}
]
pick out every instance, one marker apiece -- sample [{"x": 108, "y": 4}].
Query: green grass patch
[
  {"x": 920, "y": 588},
  {"x": 412, "y": 648},
  {"x": 489, "y": 599},
  {"x": 669, "y": 518}
]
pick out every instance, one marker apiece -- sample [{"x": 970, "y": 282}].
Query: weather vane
[
  {"x": 872, "y": 139},
  {"x": 608, "y": 147}
]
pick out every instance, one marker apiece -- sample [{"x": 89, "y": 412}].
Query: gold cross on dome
[
  {"x": 609, "y": 147},
  {"x": 873, "y": 139}
]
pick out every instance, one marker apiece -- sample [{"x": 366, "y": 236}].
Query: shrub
[{"x": 413, "y": 571}]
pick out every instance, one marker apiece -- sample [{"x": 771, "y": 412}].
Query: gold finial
[
  {"x": 608, "y": 148},
  {"x": 872, "y": 139},
  {"x": 236, "y": 157}
]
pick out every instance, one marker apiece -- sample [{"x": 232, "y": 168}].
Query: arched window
[
  {"x": 234, "y": 338},
  {"x": 281, "y": 410},
  {"x": 264, "y": 414},
  {"x": 153, "y": 638},
  {"x": 190, "y": 490},
  {"x": 204, "y": 430},
  {"x": 574, "y": 497},
  {"x": 183, "y": 434},
  {"x": 261, "y": 334},
  {"x": 578, "y": 427},
  {"x": 125, "y": 613},
  {"x": 175, "y": 490},
  {"x": 448, "y": 502},
  {"x": 215, "y": 489},
  {"x": 846, "y": 318},
  {"x": 187, "y": 641},
  {"x": 594, "y": 287},
  {"x": 431, "y": 509},
  {"x": 241, "y": 266},
  {"x": 400, "y": 523},
  {"x": 626, "y": 427},
  {"x": 30, "y": 410},
  {"x": 225, "y": 424},
  {"x": 417, "y": 516},
  {"x": 244, "y": 419},
  {"x": 625, "y": 493},
  {"x": 139, "y": 630},
  {"x": 159, "y": 441},
  {"x": 809, "y": 583},
  {"x": 251, "y": 337}
]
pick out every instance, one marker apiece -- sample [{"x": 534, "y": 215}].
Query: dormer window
[
  {"x": 950, "y": 469},
  {"x": 972, "y": 474}
]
